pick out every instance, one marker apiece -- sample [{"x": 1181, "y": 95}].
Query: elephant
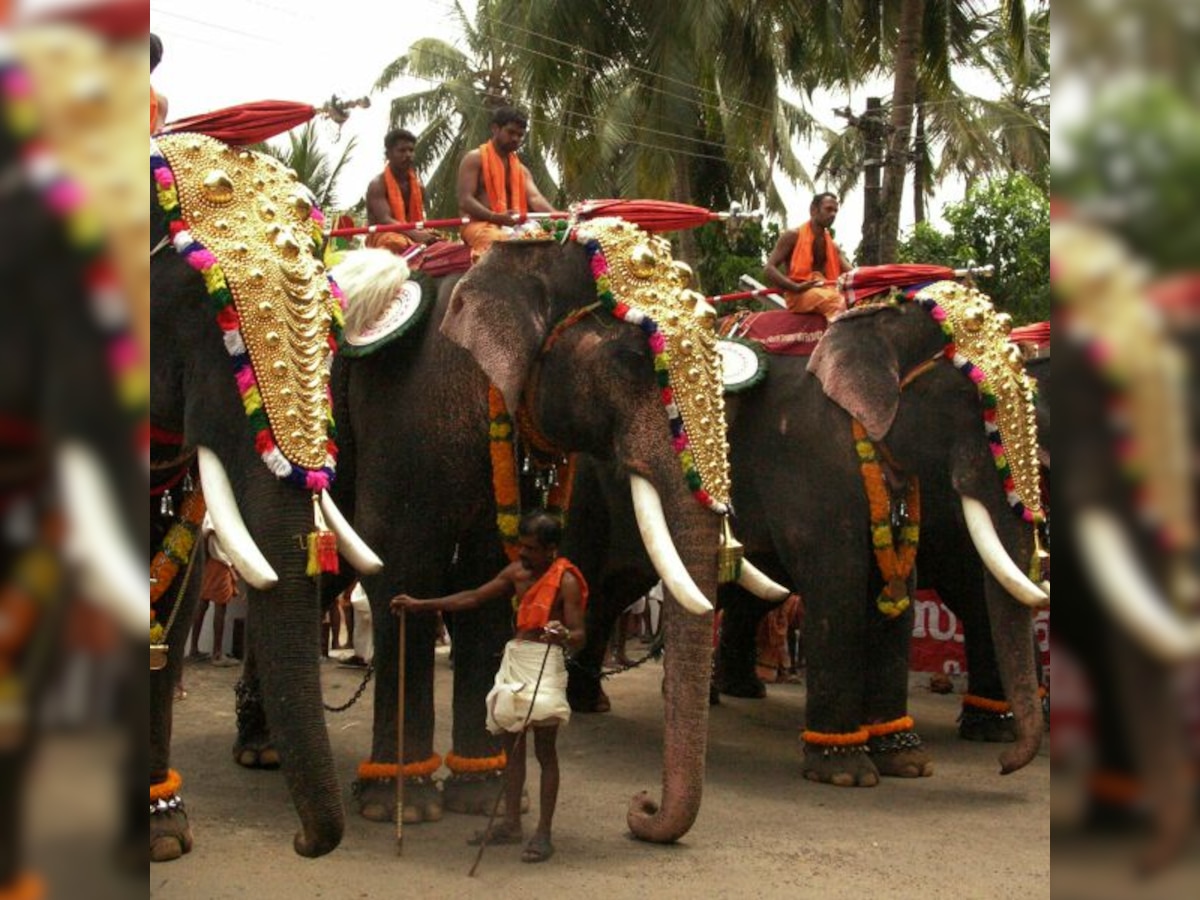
[
  {"x": 420, "y": 428},
  {"x": 1129, "y": 545},
  {"x": 72, "y": 482},
  {"x": 242, "y": 318},
  {"x": 803, "y": 514}
]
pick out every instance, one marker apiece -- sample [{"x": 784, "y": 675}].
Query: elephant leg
[
  {"x": 585, "y": 692},
  {"x": 252, "y": 748},
  {"x": 894, "y": 745},
  {"x": 835, "y": 741},
  {"x": 740, "y": 617},
  {"x": 170, "y": 832},
  {"x": 479, "y": 639}
]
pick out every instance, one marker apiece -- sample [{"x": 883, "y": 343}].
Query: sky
[{"x": 222, "y": 52}]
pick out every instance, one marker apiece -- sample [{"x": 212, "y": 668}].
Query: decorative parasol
[
  {"x": 251, "y": 123},
  {"x": 649, "y": 215}
]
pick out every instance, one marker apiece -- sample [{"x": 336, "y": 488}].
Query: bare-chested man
[
  {"x": 552, "y": 597},
  {"x": 396, "y": 195},
  {"x": 812, "y": 261},
  {"x": 494, "y": 188}
]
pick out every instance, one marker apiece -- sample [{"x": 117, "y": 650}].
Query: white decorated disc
[
  {"x": 739, "y": 363},
  {"x": 399, "y": 311}
]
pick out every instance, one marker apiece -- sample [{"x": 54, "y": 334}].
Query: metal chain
[{"x": 358, "y": 693}]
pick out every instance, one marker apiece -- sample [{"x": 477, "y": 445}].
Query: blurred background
[{"x": 1125, "y": 288}]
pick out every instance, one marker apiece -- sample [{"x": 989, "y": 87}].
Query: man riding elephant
[
  {"x": 395, "y": 195},
  {"x": 814, "y": 262}
]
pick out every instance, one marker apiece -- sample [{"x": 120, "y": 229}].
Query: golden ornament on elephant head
[{"x": 643, "y": 261}]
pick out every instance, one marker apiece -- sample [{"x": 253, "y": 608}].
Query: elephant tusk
[
  {"x": 996, "y": 558},
  {"x": 230, "y": 527},
  {"x": 96, "y": 545},
  {"x": 762, "y": 587},
  {"x": 1128, "y": 593},
  {"x": 667, "y": 563},
  {"x": 351, "y": 546}
]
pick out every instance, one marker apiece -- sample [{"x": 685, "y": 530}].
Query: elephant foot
[
  {"x": 255, "y": 755},
  {"x": 476, "y": 795},
  {"x": 749, "y": 688},
  {"x": 900, "y": 755},
  {"x": 588, "y": 697},
  {"x": 170, "y": 832},
  {"x": 839, "y": 766},
  {"x": 377, "y": 800},
  {"x": 987, "y": 727}
]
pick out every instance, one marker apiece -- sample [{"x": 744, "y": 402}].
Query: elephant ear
[
  {"x": 499, "y": 316},
  {"x": 859, "y": 371}
]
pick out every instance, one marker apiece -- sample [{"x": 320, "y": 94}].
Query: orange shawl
[
  {"x": 534, "y": 611},
  {"x": 416, "y": 200},
  {"x": 493, "y": 181},
  {"x": 802, "y": 256}
]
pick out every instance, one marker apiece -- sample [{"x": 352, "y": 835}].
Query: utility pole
[{"x": 874, "y": 128}]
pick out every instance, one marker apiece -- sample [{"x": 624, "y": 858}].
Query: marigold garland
[
  {"x": 974, "y": 701},
  {"x": 35, "y": 579},
  {"x": 167, "y": 788},
  {"x": 177, "y": 547},
  {"x": 222, "y": 305},
  {"x": 504, "y": 471},
  {"x": 894, "y": 564},
  {"x": 375, "y": 771},
  {"x": 845, "y": 739},
  {"x": 895, "y": 726},
  {"x": 462, "y": 765}
]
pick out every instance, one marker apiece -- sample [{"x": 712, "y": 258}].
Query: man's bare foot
[
  {"x": 539, "y": 849},
  {"x": 224, "y": 662}
]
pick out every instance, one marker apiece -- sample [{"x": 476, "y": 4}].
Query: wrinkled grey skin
[{"x": 416, "y": 478}]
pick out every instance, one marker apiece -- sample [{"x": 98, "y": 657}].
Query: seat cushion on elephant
[{"x": 777, "y": 331}]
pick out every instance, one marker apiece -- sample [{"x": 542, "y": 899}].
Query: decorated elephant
[
  {"x": 590, "y": 343},
  {"x": 72, "y": 398},
  {"x": 801, "y": 489},
  {"x": 1129, "y": 538},
  {"x": 242, "y": 320}
]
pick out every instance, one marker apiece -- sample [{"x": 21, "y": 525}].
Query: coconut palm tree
[
  {"x": 466, "y": 82},
  {"x": 305, "y": 155}
]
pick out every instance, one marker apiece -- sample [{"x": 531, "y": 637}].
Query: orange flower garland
[
  {"x": 375, "y": 771},
  {"x": 894, "y": 563},
  {"x": 974, "y": 701},
  {"x": 879, "y": 729},
  {"x": 504, "y": 471},
  {"x": 177, "y": 546},
  {"x": 461, "y": 765},
  {"x": 167, "y": 789},
  {"x": 847, "y": 739}
]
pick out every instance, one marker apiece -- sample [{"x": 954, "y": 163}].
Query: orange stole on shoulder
[
  {"x": 534, "y": 611},
  {"x": 802, "y": 256},
  {"x": 416, "y": 199},
  {"x": 494, "y": 184}
]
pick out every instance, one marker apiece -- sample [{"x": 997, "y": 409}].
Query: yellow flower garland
[{"x": 894, "y": 564}]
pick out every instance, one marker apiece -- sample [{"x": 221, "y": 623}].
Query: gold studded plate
[
  {"x": 643, "y": 276},
  {"x": 981, "y": 336},
  {"x": 254, "y": 216}
]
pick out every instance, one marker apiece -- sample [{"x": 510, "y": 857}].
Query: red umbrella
[
  {"x": 251, "y": 123},
  {"x": 1038, "y": 333},
  {"x": 650, "y": 215},
  {"x": 867, "y": 281}
]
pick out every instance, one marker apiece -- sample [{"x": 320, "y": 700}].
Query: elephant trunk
[
  {"x": 688, "y": 666},
  {"x": 284, "y": 623}
]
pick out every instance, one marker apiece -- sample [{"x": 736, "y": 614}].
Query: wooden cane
[{"x": 400, "y": 737}]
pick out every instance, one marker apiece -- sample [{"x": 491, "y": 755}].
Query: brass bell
[
  {"x": 642, "y": 261},
  {"x": 218, "y": 187},
  {"x": 158, "y": 657},
  {"x": 729, "y": 554}
]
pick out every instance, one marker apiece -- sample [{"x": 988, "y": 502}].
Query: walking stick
[
  {"x": 487, "y": 832},
  {"x": 400, "y": 738}
]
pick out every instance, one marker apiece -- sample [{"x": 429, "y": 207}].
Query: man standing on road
[
  {"x": 551, "y": 596},
  {"x": 813, "y": 261}
]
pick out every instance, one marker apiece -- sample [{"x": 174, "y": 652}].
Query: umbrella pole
[{"x": 400, "y": 679}]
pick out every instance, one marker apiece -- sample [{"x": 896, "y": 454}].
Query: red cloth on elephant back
[
  {"x": 778, "y": 331},
  {"x": 443, "y": 258},
  {"x": 864, "y": 282}
]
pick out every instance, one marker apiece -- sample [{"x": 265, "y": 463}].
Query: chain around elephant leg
[
  {"x": 898, "y": 751},
  {"x": 839, "y": 759},
  {"x": 252, "y": 747}
]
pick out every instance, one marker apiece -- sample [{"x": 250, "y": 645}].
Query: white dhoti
[{"x": 509, "y": 699}]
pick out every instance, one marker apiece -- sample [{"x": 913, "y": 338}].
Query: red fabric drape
[{"x": 246, "y": 123}]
